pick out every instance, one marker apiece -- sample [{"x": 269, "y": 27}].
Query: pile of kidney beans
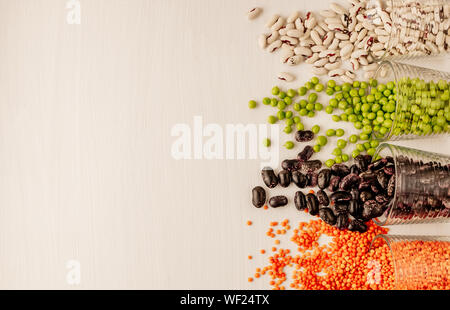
[{"x": 347, "y": 198}]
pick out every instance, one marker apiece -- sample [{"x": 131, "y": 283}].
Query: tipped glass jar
[
  {"x": 409, "y": 28},
  {"x": 416, "y": 100},
  {"x": 414, "y": 263},
  {"x": 419, "y": 188}
]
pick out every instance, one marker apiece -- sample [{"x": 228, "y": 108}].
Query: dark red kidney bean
[
  {"x": 382, "y": 200},
  {"x": 310, "y": 166},
  {"x": 306, "y": 154},
  {"x": 350, "y": 181},
  {"x": 300, "y": 201},
  {"x": 323, "y": 198},
  {"x": 342, "y": 207},
  {"x": 340, "y": 196},
  {"x": 379, "y": 164},
  {"x": 327, "y": 216},
  {"x": 340, "y": 170},
  {"x": 313, "y": 204},
  {"x": 368, "y": 176},
  {"x": 355, "y": 209},
  {"x": 364, "y": 185},
  {"x": 342, "y": 221},
  {"x": 383, "y": 179},
  {"x": 285, "y": 178},
  {"x": 375, "y": 188},
  {"x": 334, "y": 184},
  {"x": 372, "y": 209},
  {"x": 389, "y": 169},
  {"x": 355, "y": 194},
  {"x": 391, "y": 186},
  {"x": 312, "y": 179},
  {"x": 269, "y": 177},
  {"x": 365, "y": 196},
  {"x": 368, "y": 159},
  {"x": 354, "y": 169},
  {"x": 357, "y": 226},
  {"x": 360, "y": 163},
  {"x": 258, "y": 197},
  {"x": 291, "y": 165},
  {"x": 324, "y": 177},
  {"x": 304, "y": 136},
  {"x": 278, "y": 201},
  {"x": 299, "y": 179}
]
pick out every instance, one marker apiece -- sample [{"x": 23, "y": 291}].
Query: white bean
[
  {"x": 262, "y": 41},
  {"x": 278, "y": 24},
  {"x": 321, "y": 62},
  {"x": 289, "y": 40},
  {"x": 371, "y": 67},
  {"x": 303, "y": 51},
  {"x": 293, "y": 17},
  {"x": 274, "y": 46},
  {"x": 358, "y": 53},
  {"x": 287, "y": 77},
  {"x": 254, "y": 13},
  {"x": 363, "y": 61},
  {"x": 294, "y": 60},
  {"x": 272, "y": 21},
  {"x": 342, "y": 36},
  {"x": 318, "y": 48},
  {"x": 327, "y": 53},
  {"x": 319, "y": 71},
  {"x": 294, "y": 33},
  {"x": 336, "y": 72},
  {"x": 355, "y": 64},
  {"x": 346, "y": 79},
  {"x": 299, "y": 24},
  {"x": 346, "y": 50},
  {"x": 316, "y": 37},
  {"x": 337, "y": 8},
  {"x": 312, "y": 59},
  {"x": 333, "y": 65},
  {"x": 328, "y": 38}
]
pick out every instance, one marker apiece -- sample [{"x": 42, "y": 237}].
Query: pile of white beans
[{"x": 353, "y": 37}]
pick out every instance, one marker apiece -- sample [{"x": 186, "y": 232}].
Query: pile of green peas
[{"x": 368, "y": 111}]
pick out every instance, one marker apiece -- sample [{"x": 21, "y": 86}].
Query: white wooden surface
[{"x": 85, "y": 166}]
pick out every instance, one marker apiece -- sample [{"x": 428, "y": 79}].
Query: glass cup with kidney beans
[{"x": 418, "y": 189}]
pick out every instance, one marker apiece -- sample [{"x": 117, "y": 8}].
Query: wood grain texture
[{"x": 86, "y": 171}]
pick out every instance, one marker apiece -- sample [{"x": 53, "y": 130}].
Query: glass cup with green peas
[{"x": 408, "y": 102}]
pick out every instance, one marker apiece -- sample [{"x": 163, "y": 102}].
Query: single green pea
[
  {"x": 329, "y": 163},
  {"x": 360, "y": 147},
  {"x": 337, "y": 152},
  {"x": 346, "y": 87},
  {"x": 303, "y": 112},
  {"x": 312, "y": 98},
  {"x": 317, "y": 148},
  {"x": 289, "y": 145},
  {"x": 364, "y": 85},
  {"x": 303, "y": 103},
  {"x": 331, "y": 83},
  {"x": 345, "y": 157},
  {"x": 329, "y": 91},
  {"x": 331, "y": 132},
  {"x": 341, "y": 143},
  {"x": 322, "y": 140},
  {"x": 373, "y": 82},
  {"x": 275, "y": 91},
  {"x": 371, "y": 151},
  {"x": 318, "y": 106},
  {"x": 315, "y": 129},
  {"x": 267, "y": 142},
  {"x": 309, "y": 85},
  {"x": 344, "y": 117},
  {"x": 363, "y": 136},
  {"x": 367, "y": 129},
  {"x": 338, "y": 88},
  {"x": 356, "y": 84},
  {"x": 374, "y": 143},
  {"x": 281, "y": 105},
  {"x": 311, "y": 114},
  {"x": 310, "y": 107},
  {"x": 329, "y": 109},
  {"x": 274, "y": 102},
  {"x": 272, "y": 119},
  {"x": 266, "y": 101},
  {"x": 366, "y": 145},
  {"x": 289, "y": 114},
  {"x": 358, "y": 125},
  {"x": 319, "y": 87},
  {"x": 296, "y": 107},
  {"x": 333, "y": 103},
  {"x": 302, "y": 91},
  {"x": 291, "y": 93},
  {"x": 340, "y": 132},
  {"x": 296, "y": 119},
  {"x": 300, "y": 126},
  {"x": 353, "y": 139},
  {"x": 288, "y": 100},
  {"x": 288, "y": 129},
  {"x": 281, "y": 115},
  {"x": 338, "y": 160},
  {"x": 336, "y": 118},
  {"x": 289, "y": 122},
  {"x": 315, "y": 80},
  {"x": 355, "y": 153},
  {"x": 252, "y": 104}
]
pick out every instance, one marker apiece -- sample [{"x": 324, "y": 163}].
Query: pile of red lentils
[{"x": 344, "y": 263}]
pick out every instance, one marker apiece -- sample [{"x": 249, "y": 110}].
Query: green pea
[
  {"x": 288, "y": 100},
  {"x": 338, "y": 160},
  {"x": 288, "y": 129},
  {"x": 282, "y": 95},
  {"x": 331, "y": 83},
  {"x": 374, "y": 143},
  {"x": 331, "y": 132},
  {"x": 281, "y": 115},
  {"x": 296, "y": 119},
  {"x": 296, "y": 107},
  {"x": 363, "y": 136},
  {"x": 291, "y": 93},
  {"x": 360, "y": 147},
  {"x": 311, "y": 114},
  {"x": 275, "y": 91},
  {"x": 373, "y": 82},
  {"x": 345, "y": 157},
  {"x": 289, "y": 122},
  {"x": 289, "y": 145},
  {"x": 281, "y": 105},
  {"x": 336, "y": 118},
  {"x": 337, "y": 152},
  {"x": 315, "y": 129},
  {"x": 353, "y": 139},
  {"x": 274, "y": 102},
  {"x": 317, "y": 148},
  {"x": 318, "y": 107},
  {"x": 315, "y": 80},
  {"x": 329, "y": 109},
  {"x": 322, "y": 140},
  {"x": 329, "y": 163},
  {"x": 367, "y": 129},
  {"x": 267, "y": 142},
  {"x": 300, "y": 126},
  {"x": 266, "y": 101},
  {"x": 366, "y": 145},
  {"x": 358, "y": 125},
  {"x": 302, "y": 91},
  {"x": 312, "y": 98},
  {"x": 289, "y": 114},
  {"x": 333, "y": 103},
  {"x": 344, "y": 117},
  {"x": 329, "y": 91},
  {"x": 319, "y": 87},
  {"x": 310, "y": 107},
  {"x": 341, "y": 143},
  {"x": 303, "y": 112},
  {"x": 309, "y": 85},
  {"x": 252, "y": 104},
  {"x": 355, "y": 153},
  {"x": 340, "y": 132},
  {"x": 272, "y": 119},
  {"x": 303, "y": 103},
  {"x": 371, "y": 151}
]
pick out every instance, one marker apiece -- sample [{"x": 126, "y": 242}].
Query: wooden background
[{"x": 86, "y": 171}]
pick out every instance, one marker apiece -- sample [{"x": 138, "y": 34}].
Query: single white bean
[
  {"x": 346, "y": 50},
  {"x": 294, "y": 33},
  {"x": 371, "y": 67},
  {"x": 294, "y": 60},
  {"x": 319, "y": 71},
  {"x": 363, "y": 61},
  {"x": 254, "y": 13},
  {"x": 287, "y": 77},
  {"x": 274, "y": 46},
  {"x": 336, "y": 72},
  {"x": 333, "y": 65},
  {"x": 293, "y": 17},
  {"x": 307, "y": 43},
  {"x": 337, "y": 8},
  {"x": 327, "y": 53},
  {"x": 359, "y": 53},
  {"x": 346, "y": 79},
  {"x": 328, "y": 38},
  {"x": 342, "y": 36},
  {"x": 299, "y": 24},
  {"x": 350, "y": 74},
  {"x": 262, "y": 41},
  {"x": 272, "y": 21},
  {"x": 355, "y": 64},
  {"x": 321, "y": 62},
  {"x": 312, "y": 59},
  {"x": 316, "y": 37},
  {"x": 278, "y": 24},
  {"x": 318, "y": 48},
  {"x": 303, "y": 51}
]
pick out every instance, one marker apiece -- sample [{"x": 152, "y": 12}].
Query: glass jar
[
  {"x": 421, "y": 192},
  {"x": 418, "y": 102},
  {"x": 409, "y": 28},
  {"x": 419, "y": 263}
]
